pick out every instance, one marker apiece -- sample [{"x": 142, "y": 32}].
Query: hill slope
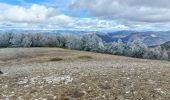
[
  {"x": 150, "y": 38},
  {"x": 59, "y": 74},
  {"x": 166, "y": 45}
]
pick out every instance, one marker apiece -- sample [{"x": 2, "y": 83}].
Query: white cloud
[
  {"x": 98, "y": 24},
  {"x": 33, "y": 14},
  {"x": 39, "y": 16},
  {"x": 60, "y": 19},
  {"x": 102, "y": 14},
  {"x": 129, "y": 10}
]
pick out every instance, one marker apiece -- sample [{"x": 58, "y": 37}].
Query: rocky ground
[{"x": 60, "y": 74}]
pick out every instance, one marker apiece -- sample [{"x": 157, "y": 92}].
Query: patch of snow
[
  {"x": 55, "y": 97},
  {"x": 159, "y": 90},
  {"x": 24, "y": 81},
  {"x": 57, "y": 79},
  {"x": 26, "y": 86},
  {"x": 34, "y": 79},
  {"x": 127, "y": 92},
  {"x": 6, "y": 86},
  {"x": 159, "y": 72},
  {"x": 151, "y": 81}
]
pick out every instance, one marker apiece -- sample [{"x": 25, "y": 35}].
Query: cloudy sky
[{"x": 85, "y": 14}]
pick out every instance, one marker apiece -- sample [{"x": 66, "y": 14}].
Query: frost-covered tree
[
  {"x": 156, "y": 53},
  {"x": 132, "y": 49},
  {"x": 26, "y": 42},
  {"x": 165, "y": 55},
  {"x": 92, "y": 42},
  {"x": 17, "y": 40},
  {"x": 153, "y": 53},
  {"x": 52, "y": 41},
  {"x": 116, "y": 48},
  {"x": 74, "y": 42},
  {"x": 5, "y": 39},
  {"x": 37, "y": 40},
  {"x": 21, "y": 40},
  {"x": 135, "y": 49},
  {"x": 107, "y": 47},
  {"x": 55, "y": 40},
  {"x": 62, "y": 41}
]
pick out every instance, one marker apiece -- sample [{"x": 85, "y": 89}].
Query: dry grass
[
  {"x": 85, "y": 57},
  {"x": 105, "y": 77},
  {"x": 56, "y": 59}
]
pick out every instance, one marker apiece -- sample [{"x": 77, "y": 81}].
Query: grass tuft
[
  {"x": 85, "y": 57},
  {"x": 56, "y": 59}
]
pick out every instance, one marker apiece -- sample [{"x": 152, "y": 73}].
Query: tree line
[{"x": 87, "y": 42}]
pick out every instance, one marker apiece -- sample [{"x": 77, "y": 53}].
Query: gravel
[{"x": 28, "y": 74}]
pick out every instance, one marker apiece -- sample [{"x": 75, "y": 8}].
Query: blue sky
[{"x": 85, "y": 14}]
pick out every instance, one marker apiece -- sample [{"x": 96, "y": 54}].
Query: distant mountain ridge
[
  {"x": 150, "y": 38},
  {"x": 166, "y": 45}
]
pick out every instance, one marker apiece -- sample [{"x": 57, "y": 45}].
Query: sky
[{"x": 85, "y": 14}]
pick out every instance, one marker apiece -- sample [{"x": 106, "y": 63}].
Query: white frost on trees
[
  {"x": 156, "y": 53},
  {"x": 37, "y": 40},
  {"x": 88, "y": 42},
  {"x": 21, "y": 40},
  {"x": 135, "y": 49},
  {"x": 74, "y": 42},
  {"x": 116, "y": 48},
  {"x": 92, "y": 42},
  {"x": 5, "y": 39}
]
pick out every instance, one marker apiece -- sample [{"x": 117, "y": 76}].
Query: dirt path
[{"x": 30, "y": 73}]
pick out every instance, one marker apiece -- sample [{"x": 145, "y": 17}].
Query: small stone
[
  {"x": 24, "y": 81},
  {"x": 55, "y": 97},
  {"x": 41, "y": 87},
  {"x": 26, "y": 86},
  {"x": 6, "y": 86}
]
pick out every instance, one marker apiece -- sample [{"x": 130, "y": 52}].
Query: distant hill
[
  {"x": 166, "y": 45},
  {"x": 150, "y": 37}
]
